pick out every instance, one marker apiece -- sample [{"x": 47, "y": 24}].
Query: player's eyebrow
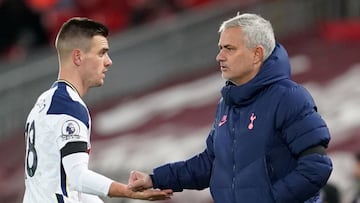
[
  {"x": 104, "y": 50},
  {"x": 227, "y": 46}
]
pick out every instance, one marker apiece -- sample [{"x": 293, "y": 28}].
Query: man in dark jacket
[{"x": 268, "y": 141}]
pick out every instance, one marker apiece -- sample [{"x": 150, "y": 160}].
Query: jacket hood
[{"x": 275, "y": 68}]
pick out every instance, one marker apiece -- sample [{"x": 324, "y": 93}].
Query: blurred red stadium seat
[
  {"x": 41, "y": 5},
  {"x": 341, "y": 30}
]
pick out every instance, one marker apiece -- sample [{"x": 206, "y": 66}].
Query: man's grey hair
[{"x": 257, "y": 31}]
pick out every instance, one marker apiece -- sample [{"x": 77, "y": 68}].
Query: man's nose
[
  {"x": 220, "y": 56},
  {"x": 108, "y": 62}
]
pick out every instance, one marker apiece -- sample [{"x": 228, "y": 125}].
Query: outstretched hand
[
  {"x": 152, "y": 194},
  {"x": 118, "y": 189}
]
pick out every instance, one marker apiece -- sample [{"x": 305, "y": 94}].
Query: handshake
[{"x": 140, "y": 186}]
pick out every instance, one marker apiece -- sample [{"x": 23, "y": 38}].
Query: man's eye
[{"x": 227, "y": 48}]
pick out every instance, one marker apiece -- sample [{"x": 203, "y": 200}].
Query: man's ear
[
  {"x": 258, "y": 54},
  {"x": 76, "y": 57}
]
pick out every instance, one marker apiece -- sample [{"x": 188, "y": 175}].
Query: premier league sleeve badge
[{"x": 70, "y": 130}]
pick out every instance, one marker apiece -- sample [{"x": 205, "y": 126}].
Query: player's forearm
[{"x": 82, "y": 179}]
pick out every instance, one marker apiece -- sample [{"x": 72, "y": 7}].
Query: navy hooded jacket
[{"x": 253, "y": 150}]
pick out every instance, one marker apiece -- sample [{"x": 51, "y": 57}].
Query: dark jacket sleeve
[
  {"x": 193, "y": 173},
  {"x": 301, "y": 128}
]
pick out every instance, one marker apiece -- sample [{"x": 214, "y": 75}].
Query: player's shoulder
[{"x": 65, "y": 101}]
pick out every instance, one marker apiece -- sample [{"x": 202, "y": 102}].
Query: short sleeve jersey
[{"x": 58, "y": 117}]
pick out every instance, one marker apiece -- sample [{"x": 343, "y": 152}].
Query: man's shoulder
[
  {"x": 64, "y": 102},
  {"x": 289, "y": 89},
  {"x": 286, "y": 84}
]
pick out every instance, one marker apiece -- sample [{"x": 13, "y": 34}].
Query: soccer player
[{"x": 57, "y": 131}]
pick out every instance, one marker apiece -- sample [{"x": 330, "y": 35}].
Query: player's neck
[{"x": 70, "y": 85}]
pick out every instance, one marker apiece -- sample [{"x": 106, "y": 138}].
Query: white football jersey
[{"x": 58, "y": 117}]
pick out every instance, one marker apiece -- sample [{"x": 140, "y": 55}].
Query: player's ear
[
  {"x": 258, "y": 54},
  {"x": 76, "y": 56}
]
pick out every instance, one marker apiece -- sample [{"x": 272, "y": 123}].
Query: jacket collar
[{"x": 274, "y": 69}]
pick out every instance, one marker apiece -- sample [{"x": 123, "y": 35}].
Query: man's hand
[
  {"x": 121, "y": 190},
  {"x": 139, "y": 181},
  {"x": 152, "y": 194}
]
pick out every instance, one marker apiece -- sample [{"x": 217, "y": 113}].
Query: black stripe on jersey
[
  {"x": 59, "y": 198},
  {"x": 63, "y": 180},
  {"x": 73, "y": 147}
]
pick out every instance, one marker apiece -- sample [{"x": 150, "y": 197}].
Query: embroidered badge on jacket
[{"x": 252, "y": 119}]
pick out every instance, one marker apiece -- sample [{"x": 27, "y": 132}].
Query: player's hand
[
  {"x": 118, "y": 189},
  {"x": 139, "y": 181},
  {"x": 152, "y": 194}
]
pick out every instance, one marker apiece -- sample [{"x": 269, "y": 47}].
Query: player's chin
[
  {"x": 98, "y": 83},
  {"x": 101, "y": 83}
]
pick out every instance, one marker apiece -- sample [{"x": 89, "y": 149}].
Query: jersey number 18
[{"x": 31, "y": 156}]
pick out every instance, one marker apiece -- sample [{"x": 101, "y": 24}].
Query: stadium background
[{"x": 158, "y": 101}]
